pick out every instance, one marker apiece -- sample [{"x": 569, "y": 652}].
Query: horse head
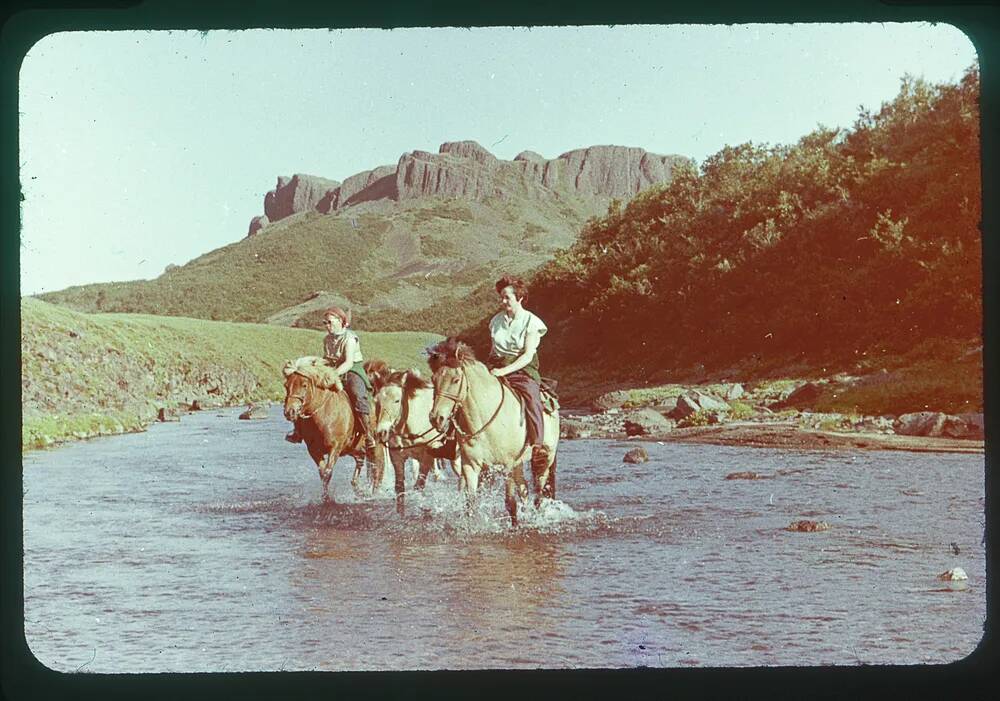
[
  {"x": 392, "y": 404},
  {"x": 302, "y": 376},
  {"x": 447, "y": 361}
]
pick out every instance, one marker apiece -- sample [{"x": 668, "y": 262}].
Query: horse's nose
[{"x": 290, "y": 414}]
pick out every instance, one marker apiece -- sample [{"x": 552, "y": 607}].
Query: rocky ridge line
[{"x": 465, "y": 169}]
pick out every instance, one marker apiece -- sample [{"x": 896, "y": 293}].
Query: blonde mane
[{"x": 315, "y": 369}]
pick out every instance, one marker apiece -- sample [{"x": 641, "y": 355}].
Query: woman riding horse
[
  {"x": 516, "y": 334},
  {"x": 342, "y": 350}
]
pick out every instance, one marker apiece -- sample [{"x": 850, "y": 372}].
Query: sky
[{"x": 141, "y": 149}]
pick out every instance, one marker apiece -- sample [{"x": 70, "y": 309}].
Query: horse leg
[
  {"x": 325, "y": 473},
  {"x": 510, "y": 497},
  {"x": 399, "y": 471},
  {"x": 424, "y": 463},
  {"x": 550, "y": 484},
  {"x": 378, "y": 467},
  {"x": 359, "y": 463},
  {"x": 544, "y": 479},
  {"x": 517, "y": 475},
  {"x": 470, "y": 476}
]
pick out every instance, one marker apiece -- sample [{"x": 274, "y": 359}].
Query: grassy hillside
[
  {"x": 399, "y": 266},
  {"x": 851, "y": 250},
  {"x": 88, "y": 374}
]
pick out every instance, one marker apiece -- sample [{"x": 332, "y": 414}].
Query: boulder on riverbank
[
  {"x": 694, "y": 401},
  {"x": 167, "y": 414},
  {"x": 937, "y": 424},
  {"x": 801, "y": 397},
  {"x": 570, "y": 429},
  {"x": 645, "y": 422},
  {"x": 609, "y": 400}
]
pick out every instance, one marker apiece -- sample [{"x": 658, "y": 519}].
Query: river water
[{"x": 202, "y": 546}]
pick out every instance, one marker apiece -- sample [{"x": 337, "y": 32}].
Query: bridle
[
  {"x": 399, "y": 428},
  {"x": 459, "y": 405},
  {"x": 305, "y": 396}
]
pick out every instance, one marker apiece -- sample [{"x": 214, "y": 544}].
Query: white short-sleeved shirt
[{"x": 509, "y": 334}]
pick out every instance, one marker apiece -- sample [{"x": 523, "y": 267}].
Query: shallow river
[{"x": 202, "y": 546}]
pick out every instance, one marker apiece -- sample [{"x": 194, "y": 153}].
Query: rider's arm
[
  {"x": 531, "y": 341},
  {"x": 349, "y": 348}
]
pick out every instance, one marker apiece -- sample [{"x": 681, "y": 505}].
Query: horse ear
[{"x": 289, "y": 368}]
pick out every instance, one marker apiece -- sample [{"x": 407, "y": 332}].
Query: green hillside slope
[
  {"x": 390, "y": 262},
  {"x": 90, "y": 374}
]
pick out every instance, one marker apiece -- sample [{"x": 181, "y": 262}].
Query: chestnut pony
[{"x": 316, "y": 402}]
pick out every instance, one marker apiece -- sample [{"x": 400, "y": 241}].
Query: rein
[{"x": 464, "y": 437}]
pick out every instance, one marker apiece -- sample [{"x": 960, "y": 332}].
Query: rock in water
[
  {"x": 254, "y": 411},
  {"x": 636, "y": 455},
  {"x": 955, "y": 574},
  {"x": 808, "y": 526},
  {"x": 748, "y": 475}
]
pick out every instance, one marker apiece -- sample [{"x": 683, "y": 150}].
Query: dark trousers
[
  {"x": 528, "y": 389},
  {"x": 356, "y": 390}
]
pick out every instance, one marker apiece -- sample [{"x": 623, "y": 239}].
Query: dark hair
[
  {"x": 345, "y": 317},
  {"x": 520, "y": 289}
]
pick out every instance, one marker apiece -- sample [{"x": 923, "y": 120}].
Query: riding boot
[
  {"x": 293, "y": 435},
  {"x": 369, "y": 436},
  {"x": 539, "y": 458}
]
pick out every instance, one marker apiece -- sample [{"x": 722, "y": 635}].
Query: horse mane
[
  {"x": 315, "y": 369},
  {"x": 450, "y": 352},
  {"x": 378, "y": 371},
  {"x": 409, "y": 380}
]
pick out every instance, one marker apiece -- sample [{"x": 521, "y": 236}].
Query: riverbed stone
[{"x": 636, "y": 455}]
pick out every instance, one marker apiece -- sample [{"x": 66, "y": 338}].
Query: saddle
[{"x": 550, "y": 401}]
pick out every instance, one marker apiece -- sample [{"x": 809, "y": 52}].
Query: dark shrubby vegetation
[{"x": 848, "y": 247}]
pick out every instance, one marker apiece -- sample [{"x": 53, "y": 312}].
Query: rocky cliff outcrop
[
  {"x": 299, "y": 193},
  {"x": 465, "y": 169}
]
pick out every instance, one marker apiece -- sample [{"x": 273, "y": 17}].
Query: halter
[{"x": 464, "y": 437}]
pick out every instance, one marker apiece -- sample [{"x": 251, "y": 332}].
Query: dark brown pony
[{"x": 316, "y": 402}]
